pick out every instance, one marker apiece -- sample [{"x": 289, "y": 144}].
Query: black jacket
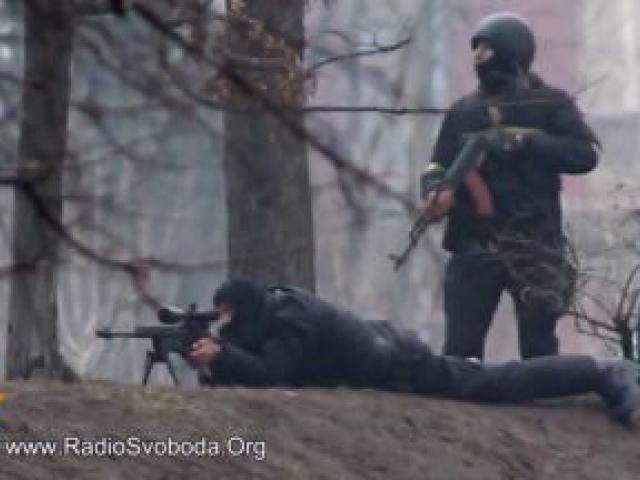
[
  {"x": 525, "y": 186},
  {"x": 309, "y": 342}
]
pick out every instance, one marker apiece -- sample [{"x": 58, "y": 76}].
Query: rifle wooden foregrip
[
  {"x": 480, "y": 193},
  {"x": 466, "y": 160}
]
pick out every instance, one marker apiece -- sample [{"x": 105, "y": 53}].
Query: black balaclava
[
  {"x": 248, "y": 300},
  {"x": 514, "y": 47}
]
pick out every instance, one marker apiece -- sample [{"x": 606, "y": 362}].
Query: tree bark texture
[
  {"x": 270, "y": 222},
  {"x": 32, "y": 337}
]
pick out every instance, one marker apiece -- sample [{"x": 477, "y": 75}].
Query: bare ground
[{"x": 305, "y": 434}]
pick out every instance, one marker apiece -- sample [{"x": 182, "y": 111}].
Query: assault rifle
[
  {"x": 179, "y": 330},
  {"x": 470, "y": 156}
]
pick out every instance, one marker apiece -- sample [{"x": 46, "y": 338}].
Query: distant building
[{"x": 609, "y": 55}]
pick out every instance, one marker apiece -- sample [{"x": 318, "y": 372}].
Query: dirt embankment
[{"x": 105, "y": 431}]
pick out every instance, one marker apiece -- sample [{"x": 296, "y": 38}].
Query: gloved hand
[
  {"x": 562, "y": 154},
  {"x": 437, "y": 203},
  {"x": 504, "y": 145},
  {"x": 544, "y": 144}
]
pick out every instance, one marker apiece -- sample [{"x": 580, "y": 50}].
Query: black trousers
[
  {"x": 474, "y": 283},
  {"x": 412, "y": 367},
  {"x": 517, "y": 381}
]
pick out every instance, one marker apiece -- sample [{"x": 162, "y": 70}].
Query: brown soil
[{"x": 308, "y": 434}]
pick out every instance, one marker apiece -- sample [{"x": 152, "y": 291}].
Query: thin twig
[{"x": 357, "y": 54}]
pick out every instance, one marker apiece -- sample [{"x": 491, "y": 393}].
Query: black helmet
[{"x": 511, "y": 37}]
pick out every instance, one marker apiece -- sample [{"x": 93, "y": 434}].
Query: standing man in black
[{"x": 504, "y": 223}]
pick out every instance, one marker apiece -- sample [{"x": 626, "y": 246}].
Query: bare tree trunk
[
  {"x": 268, "y": 196},
  {"x": 32, "y": 339}
]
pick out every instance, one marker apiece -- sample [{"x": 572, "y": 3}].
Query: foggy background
[{"x": 153, "y": 163}]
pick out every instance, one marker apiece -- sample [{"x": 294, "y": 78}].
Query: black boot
[{"x": 619, "y": 380}]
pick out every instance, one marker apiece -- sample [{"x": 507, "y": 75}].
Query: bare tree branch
[
  {"x": 269, "y": 106},
  {"x": 357, "y": 54}
]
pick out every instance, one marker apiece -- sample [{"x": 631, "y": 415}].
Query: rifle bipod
[{"x": 158, "y": 356}]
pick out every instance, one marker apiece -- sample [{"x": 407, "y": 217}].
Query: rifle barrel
[{"x": 140, "y": 332}]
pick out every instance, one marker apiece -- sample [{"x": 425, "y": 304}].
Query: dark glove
[
  {"x": 506, "y": 144},
  {"x": 544, "y": 144},
  {"x": 562, "y": 154}
]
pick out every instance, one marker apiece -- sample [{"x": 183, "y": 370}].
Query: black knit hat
[
  {"x": 238, "y": 292},
  {"x": 248, "y": 299}
]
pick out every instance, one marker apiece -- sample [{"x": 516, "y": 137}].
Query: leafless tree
[{"x": 196, "y": 57}]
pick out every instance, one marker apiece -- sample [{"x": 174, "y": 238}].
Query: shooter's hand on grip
[
  {"x": 203, "y": 352},
  {"x": 437, "y": 203}
]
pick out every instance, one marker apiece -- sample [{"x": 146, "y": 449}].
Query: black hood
[
  {"x": 514, "y": 45},
  {"x": 249, "y": 300}
]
